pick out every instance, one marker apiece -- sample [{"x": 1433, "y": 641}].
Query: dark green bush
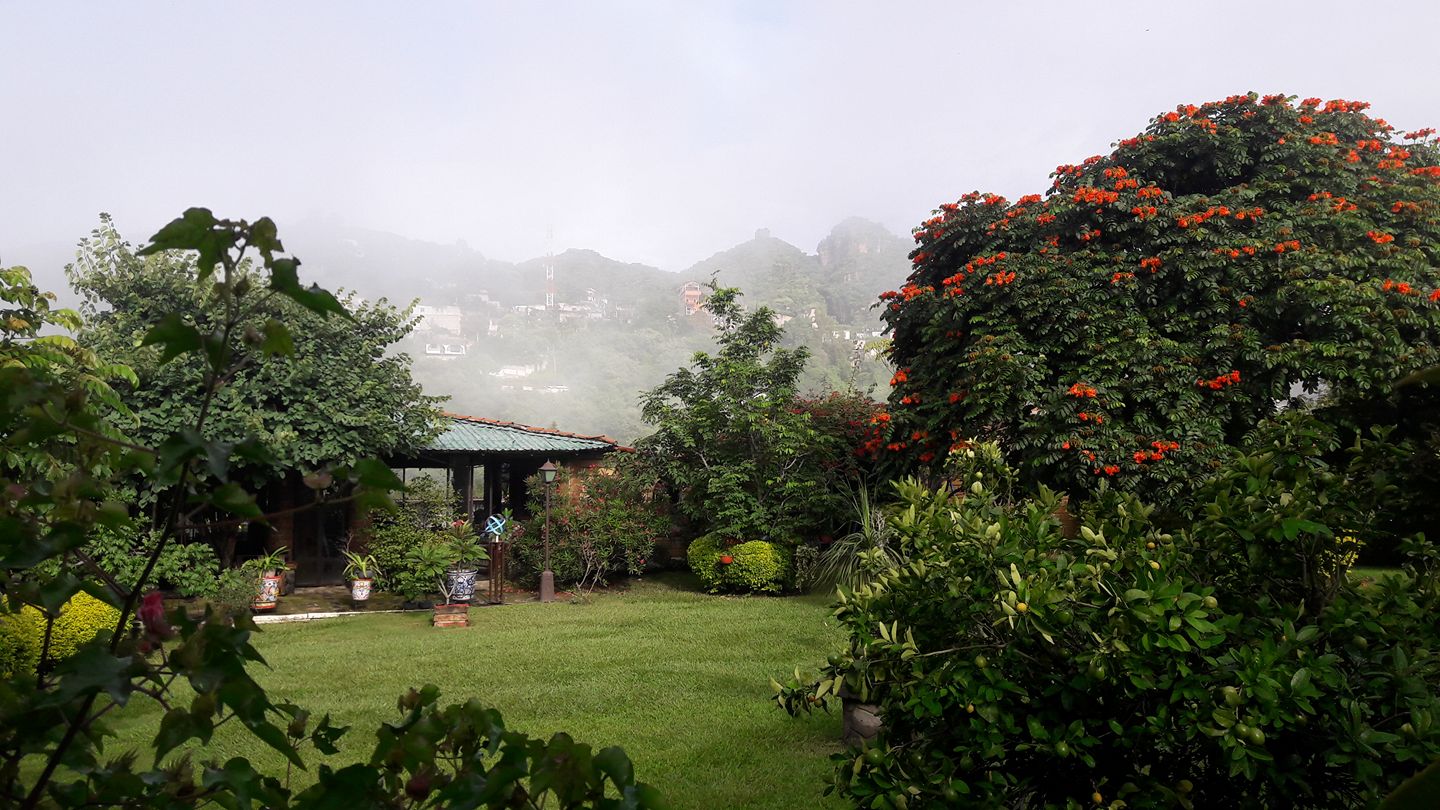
[
  {"x": 1231, "y": 665},
  {"x": 603, "y": 523},
  {"x": 188, "y": 569},
  {"x": 426, "y": 509}
]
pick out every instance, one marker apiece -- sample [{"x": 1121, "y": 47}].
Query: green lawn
[{"x": 679, "y": 679}]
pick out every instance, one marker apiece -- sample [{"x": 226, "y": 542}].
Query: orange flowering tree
[{"x": 1132, "y": 324}]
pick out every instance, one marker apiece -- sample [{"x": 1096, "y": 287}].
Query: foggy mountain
[{"x": 488, "y": 337}]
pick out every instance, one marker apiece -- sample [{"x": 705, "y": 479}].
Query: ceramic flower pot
[
  {"x": 451, "y": 616},
  {"x": 360, "y": 588},
  {"x": 462, "y": 585},
  {"x": 269, "y": 593}
]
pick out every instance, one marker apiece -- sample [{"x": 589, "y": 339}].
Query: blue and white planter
[{"x": 462, "y": 585}]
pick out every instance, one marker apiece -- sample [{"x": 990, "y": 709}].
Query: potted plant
[
  {"x": 360, "y": 569},
  {"x": 468, "y": 554},
  {"x": 433, "y": 560},
  {"x": 267, "y": 592}
]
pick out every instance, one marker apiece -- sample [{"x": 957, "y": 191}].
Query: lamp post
[{"x": 547, "y": 577}]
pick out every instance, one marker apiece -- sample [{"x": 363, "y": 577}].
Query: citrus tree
[{"x": 1133, "y": 323}]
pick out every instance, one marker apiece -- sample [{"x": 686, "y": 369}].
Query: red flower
[
  {"x": 152, "y": 616},
  {"x": 726, "y": 559}
]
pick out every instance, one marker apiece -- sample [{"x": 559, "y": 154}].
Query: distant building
[
  {"x": 438, "y": 320},
  {"x": 692, "y": 297}
]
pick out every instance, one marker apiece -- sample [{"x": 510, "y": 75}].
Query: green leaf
[
  {"x": 277, "y": 339},
  {"x": 175, "y": 335},
  {"x": 233, "y": 498}
]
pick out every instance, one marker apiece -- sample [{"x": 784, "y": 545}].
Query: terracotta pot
[
  {"x": 360, "y": 588},
  {"x": 451, "y": 616},
  {"x": 269, "y": 593}
]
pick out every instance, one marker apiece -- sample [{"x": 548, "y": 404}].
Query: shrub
[
  {"x": 188, "y": 569},
  {"x": 22, "y": 634},
  {"x": 603, "y": 523},
  {"x": 757, "y": 566},
  {"x": 1131, "y": 327},
  {"x": 1017, "y": 666},
  {"x": 426, "y": 509}
]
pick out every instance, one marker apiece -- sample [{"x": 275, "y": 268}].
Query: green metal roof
[{"x": 473, "y": 434}]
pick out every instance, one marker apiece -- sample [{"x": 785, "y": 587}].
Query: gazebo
[
  {"x": 503, "y": 454},
  {"x": 486, "y": 461}
]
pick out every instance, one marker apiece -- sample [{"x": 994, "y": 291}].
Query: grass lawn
[{"x": 677, "y": 678}]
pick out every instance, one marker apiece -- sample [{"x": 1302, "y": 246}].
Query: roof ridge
[{"x": 485, "y": 420}]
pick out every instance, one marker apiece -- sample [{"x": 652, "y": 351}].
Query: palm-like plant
[{"x": 853, "y": 560}]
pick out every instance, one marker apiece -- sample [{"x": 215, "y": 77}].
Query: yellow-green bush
[
  {"x": 755, "y": 567},
  {"x": 22, "y": 634}
]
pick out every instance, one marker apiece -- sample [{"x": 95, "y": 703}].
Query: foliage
[
  {"x": 1129, "y": 329},
  {"x": 23, "y": 634},
  {"x": 1129, "y": 664},
  {"x": 757, "y": 566},
  {"x": 334, "y": 396},
  {"x": 424, "y": 508},
  {"x": 360, "y": 566},
  {"x": 728, "y": 434},
  {"x": 189, "y": 569},
  {"x": 235, "y": 589},
  {"x": 603, "y": 523},
  {"x": 464, "y": 545},
  {"x": 855, "y": 558},
  {"x": 64, "y": 457}
]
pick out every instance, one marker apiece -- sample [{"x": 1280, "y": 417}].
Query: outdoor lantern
[{"x": 547, "y": 577}]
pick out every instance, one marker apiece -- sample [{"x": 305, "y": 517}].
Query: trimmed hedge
[
  {"x": 22, "y": 634},
  {"x": 755, "y": 567}
]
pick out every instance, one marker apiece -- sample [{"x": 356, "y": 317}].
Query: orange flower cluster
[
  {"x": 1352, "y": 156},
  {"x": 1028, "y": 199},
  {"x": 1235, "y": 253},
  {"x": 1081, "y": 390},
  {"x": 1170, "y": 117},
  {"x": 1216, "y": 211},
  {"x": 1143, "y": 211},
  {"x": 1395, "y": 158},
  {"x": 956, "y": 397},
  {"x": 1281, "y": 247},
  {"x": 1380, "y": 237},
  {"x": 1419, "y": 133},
  {"x": 1095, "y": 196},
  {"x": 920, "y": 257},
  {"x": 1149, "y": 191},
  {"x": 1089, "y": 235},
  {"x": 1401, "y": 206},
  {"x": 900, "y": 376},
  {"x": 1342, "y": 106},
  {"x": 1244, "y": 302},
  {"x": 880, "y": 418},
  {"x": 1324, "y": 139},
  {"x": 1000, "y": 279},
  {"x": 1434, "y": 296},
  {"x": 1310, "y": 103},
  {"x": 1086, "y": 417},
  {"x": 1045, "y": 219},
  {"x": 1278, "y": 99},
  {"x": 1307, "y": 119},
  {"x": 1371, "y": 145},
  {"x": 1126, "y": 183},
  {"x": 910, "y": 292},
  {"x": 1220, "y": 382},
  {"x": 1427, "y": 171},
  {"x": 1401, "y": 287},
  {"x": 1115, "y": 173},
  {"x": 1120, "y": 276},
  {"x": 1157, "y": 453},
  {"x": 910, "y": 399},
  {"x": 1152, "y": 264},
  {"x": 1130, "y": 143},
  {"x": 1112, "y": 468}
]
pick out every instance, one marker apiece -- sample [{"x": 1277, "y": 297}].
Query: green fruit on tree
[
  {"x": 1211, "y": 603},
  {"x": 1255, "y": 735},
  {"x": 1232, "y": 696},
  {"x": 874, "y": 756},
  {"x": 981, "y": 661},
  {"x": 1062, "y": 748}
]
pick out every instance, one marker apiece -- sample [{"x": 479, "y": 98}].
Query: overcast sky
[{"x": 653, "y": 132}]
